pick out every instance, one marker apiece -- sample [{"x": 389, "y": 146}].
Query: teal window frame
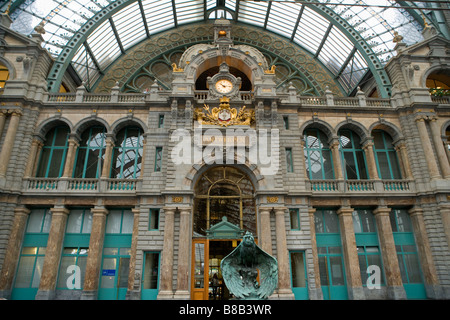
[
  {"x": 90, "y": 146},
  {"x": 289, "y": 160},
  {"x": 151, "y": 292},
  {"x": 388, "y": 151},
  {"x": 286, "y": 122},
  {"x": 314, "y": 151},
  {"x": 153, "y": 219},
  {"x": 294, "y": 219},
  {"x": 128, "y": 154},
  {"x": 123, "y": 212},
  {"x": 80, "y": 254},
  {"x": 34, "y": 273},
  {"x": 366, "y": 236},
  {"x": 161, "y": 121},
  {"x": 357, "y": 154},
  {"x": 158, "y": 159},
  {"x": 51, "y": 147}
]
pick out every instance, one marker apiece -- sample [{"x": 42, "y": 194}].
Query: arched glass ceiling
[{"x": 326, "y": 28}]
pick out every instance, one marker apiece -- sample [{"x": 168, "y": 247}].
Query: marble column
[
  {"x": 182, "y": 291},
  {"x": 265, "y": 237},
  {"x": 13, "y": 251},
  {"x": 426, "y": 259},
  {"x": 108, "y": 156},
  {"x": 70, "y": 158},
  {"x": 334, "y": 146},
  {"x": 405, "y": 165},
  {"x": 428, "y": 150},
  {"x": 94, "y": 259},
  {"x": 371, "y": 163},
  {"x": 166, "y": 289},
  {"x": 36, "y": 147},
  {"x": 351, "y": 261},
  {"x": 3, "y": 114},
  {"x": 439, "y": 147},
  {"x": 133, "y": 252},
  {"x": 53, "y": 254},
  {"x": 284, "y": 281},
  {"x": 395, "y": 289},
  {"x": 8, "y": 142},
  {"x": 317, "y": 288}
]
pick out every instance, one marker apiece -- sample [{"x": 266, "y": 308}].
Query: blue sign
[{"x": 109, "y": 272}]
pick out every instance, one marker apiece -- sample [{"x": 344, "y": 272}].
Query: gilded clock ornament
[{"x": 224, "y": 86}]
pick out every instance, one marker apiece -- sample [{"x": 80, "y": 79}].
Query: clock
[{"x": 224, "y": 86}]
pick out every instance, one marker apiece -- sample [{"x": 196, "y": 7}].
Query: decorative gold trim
[
  {"x": 177, "y": 199},
  {"x": 176, "y": 69},
  {"x": 271, "y": 70},
  {"x": 224, "y": 115},
  {"x": 272, "y": 199}
]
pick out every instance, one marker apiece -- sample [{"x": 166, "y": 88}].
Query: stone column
[
  {"x": 445, "y": 215},
  {"x": 182, "y": 291},
  {"x": 265, "y": 237},
  {"x": 166, "y": 290},
  {"x": 13, "y": 251},
  {"x": 316, "y": 271},
  {"x": 428, "y": 150},
  {"x": 352, "y": 270},
  {"x": 8, "y": 142},
  {"x": 371, "y": 163},
  {"x": 53, "y": 254},
  {"x": 400, "y": 148},
  {"x": 425, "y": 256},
  {"x": 394, "y": 282},
  {"x": 3, "y": 114},
  {"x": 439, "y": 146},
  {"x": 133, "y": 251},
  {"x": 94, "y": 259},
  {"x": 36, "y": 146},
  {"x": 108, "y": 156},
  {"x": 70, "y": 158},
  {"x": 334, "y": 146},
  {"x": 284, "y": 282}
]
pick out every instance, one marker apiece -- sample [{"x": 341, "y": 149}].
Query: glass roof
[{"x": 306, "y": 24}]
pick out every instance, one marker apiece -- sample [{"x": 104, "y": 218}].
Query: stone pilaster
[
  {"x": 94, "y": 260},
  {"x": 70, "y": 158},
  {"x": 370, "y": 157},
  {"x": 405, "y": 165},
  {"x": 166, "y": 290},
  {"x": 284, "y": 282},
  {"x": 394, "y": 282},
  {"x": 334, "y": 146},
  {"x": 439, "y": 146},
  {"x": 36, "y": 147},
  {"x": 317, "y": 289},
  {"x": 265, "y": 236},
  {"x": 428, "y": 151},
  {"x": 352, "y": 271},
  {"x": 182, "y": 291},
  {"x": 8, "y": 143},
  {"x": 108, "y": 156},
  {"x": 13, "y": 251},
  {"x": 53, "y": 254}
]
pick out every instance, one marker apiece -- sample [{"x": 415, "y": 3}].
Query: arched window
[
  {"x": 53, "y": 154},
  {"x": 4, "y": 75},
  {"x": 385, "y": 156},
  {"x": 318, "y": 159},
  {"x": 352, "y": 155},
  {"x": 224, "y": 192},
  {"x": 90, "y": 153},
  {"x": 127, "y": 155}
]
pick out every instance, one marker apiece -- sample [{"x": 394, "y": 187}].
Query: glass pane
[
  {"x": 124, "y": 267},
  {"x": 356, "y": 222},
  {"x": 403, "y": 220},
  {"x": 396, "y": 173},
  {"x": 56, "y": 163},
  {"x": 361, "y": 164},
  {"x": 24, "y": 272},
  {"x": 383, "y": 164},
  {"x": 412, "y": 266},
  {"x": 87, "y": 222},
  {"x": 319, "y": 221},
  {"x": 37, "y": 272},
  {"x": 367, "y": 220},
  {"x": 298, "y": 270},
  {"x": 154, "y": 219},
  {"x": 350, "y": 166},
  {"x": 127, "y": 223},
  {"x": 151, "y": 271},
  {"x": 327, "y": 165},
  {"x": 331, "y": 221},
  {"x": 337, "y": 273},
  {"x": 43, "y": 163},
  {"x": 324, "y": 280},
  {"x": 113, "y": 222},
  {"x": 108, "y": 273},
  {"x": 35, "y": 220},
  {"x": 74, "y": 221},
  {"x": 63, "y": 275},
  {"x": 199, "y": 268}
]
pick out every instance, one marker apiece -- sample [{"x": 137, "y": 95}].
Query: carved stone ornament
[{"x": 224, "y": 115}]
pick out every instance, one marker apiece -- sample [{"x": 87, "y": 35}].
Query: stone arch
[
  {"x": 444, "y": 128},
  {"x": 10, "y": 66},
  {"x": 48, "y": 124},
  {"x": 390, "y": 128},
  {"x": 430, "y": 71},
  {"x": 356, "y": 127},
  {"x": 318, "y": 124},
  {"x": 81, "y": 126},
  {"x": 126, "y": 122}
]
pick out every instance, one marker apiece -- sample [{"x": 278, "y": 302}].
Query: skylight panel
[
  {"x": 104, "y": 45},
  {"x": 210, "y": 4},
  {"x": 311, "y": 30},
  {"x": 283, "y": 17},
  {"x": 230, "y": 4},
  {"x": 129, "y": 25},
  {"x": 336, "y": 50},
  {"x": 253, "y": 12},
  {"x": 159, "y": 15},
  {"x": 188, "y": 10}
]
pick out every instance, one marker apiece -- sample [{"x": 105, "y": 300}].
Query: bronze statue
[{"x": 240, "y": 271}]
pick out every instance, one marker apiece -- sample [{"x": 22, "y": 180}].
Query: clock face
[{"x": 224, "y": 86}]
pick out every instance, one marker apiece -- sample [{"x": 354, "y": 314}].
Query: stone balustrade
[{"x": 361, "y": 186}]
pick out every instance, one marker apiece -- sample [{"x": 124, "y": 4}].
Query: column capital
[
  {"x": 382, "y": 211},
  {"x": 264, "y": 210},
  {"x": 59, "y": 211},
  {"x": 345, "y": 211},
  {"x": 22, "y": 211},
  {"x": 280, "y": 210},
  {"x": 136, "y": 211},
  {"x": 99, "y": 211},
  {"x": 415, "y": 211},
  {"x": 185, "y": 210},
  {"x": 312, "y": 211},
  {"x": 169, "y": 210}
]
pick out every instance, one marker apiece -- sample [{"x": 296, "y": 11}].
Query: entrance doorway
[{"x": 207, "y": 281}]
